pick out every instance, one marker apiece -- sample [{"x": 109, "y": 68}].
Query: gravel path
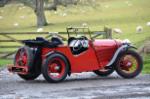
[{"x": 78, "y": 86}]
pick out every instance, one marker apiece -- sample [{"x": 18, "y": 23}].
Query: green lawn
[
  {"x": 146, "y": 64},
  {"x": 126, "y": 15},
  {"x": 123, "y": 14},
  {"x": 5, "y": 62}
]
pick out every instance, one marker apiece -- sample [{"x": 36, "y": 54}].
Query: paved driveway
[{"x": 78, "y": 86}]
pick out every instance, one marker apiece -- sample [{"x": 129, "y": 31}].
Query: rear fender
[{"x": 124, "y": 47}]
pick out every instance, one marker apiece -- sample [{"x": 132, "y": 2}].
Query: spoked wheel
[
  {"x": 55, "y": 68},
  {"x": 24, "y": 57},
  {"x": 104, "y": 72},
  {"x": 129, "y": 64}
]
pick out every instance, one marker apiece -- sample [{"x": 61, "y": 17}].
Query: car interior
[{"x": 78, "y": 45}]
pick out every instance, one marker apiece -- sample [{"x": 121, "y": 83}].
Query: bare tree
[
  {"x": 39, "y": 11},
  {"x": 38, "y": 7},
  {"x": 55, "y": 3}
]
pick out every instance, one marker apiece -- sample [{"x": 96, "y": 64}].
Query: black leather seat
[
  {"x": 56, "y": 41},
  {"x": 71, "y": 39}
]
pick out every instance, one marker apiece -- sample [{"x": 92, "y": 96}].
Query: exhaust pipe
[{"x": 17, "y": 69}]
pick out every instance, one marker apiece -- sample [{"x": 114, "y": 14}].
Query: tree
[
  {"x": 38, "y": 7},
  {"x": 39, "y": 11}
]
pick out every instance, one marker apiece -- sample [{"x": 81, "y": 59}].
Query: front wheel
[
  {"x": 55, "y": 68},
  {"x": 129, "y": 64}
]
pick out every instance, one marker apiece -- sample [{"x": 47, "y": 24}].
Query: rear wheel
[
  {"x": 55, "y": 68},
  {"x": 104, "y": 72},
  {"x": 24, "y": 57},
  {"x": 129, "y": 64}
]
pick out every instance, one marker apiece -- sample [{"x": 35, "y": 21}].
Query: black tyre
[
  {"x": 129, "y": 64},
  {"x": 55, "y": 68},
  {"x": 30, "y": 76},
  {"x": 104, "y": 72},
  {"x": 25, "y": 57}
]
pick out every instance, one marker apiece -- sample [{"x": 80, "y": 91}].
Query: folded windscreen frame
[{"x": 78, "y": 32}]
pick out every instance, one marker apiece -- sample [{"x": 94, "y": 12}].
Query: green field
[
  {"x": 147, "y": 64},
  {"x": 123, "y": 14}
]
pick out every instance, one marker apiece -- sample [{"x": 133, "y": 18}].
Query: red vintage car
[{"x": 55, "y": 60}]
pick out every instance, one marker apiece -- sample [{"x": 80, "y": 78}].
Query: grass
[
  {"x": 123, "y": 14},
  {"x": 113, "y": 13},
  {"x": 5, "y": 62},
  {"x": 146, "y": 68}
]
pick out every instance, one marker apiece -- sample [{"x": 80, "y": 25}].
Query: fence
[{"x": 10, "y": 42}]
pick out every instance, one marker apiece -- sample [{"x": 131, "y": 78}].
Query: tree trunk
[{"x": 39, "y": 11}]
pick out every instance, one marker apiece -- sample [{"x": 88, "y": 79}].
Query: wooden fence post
[{"x": 108, "y": 32}]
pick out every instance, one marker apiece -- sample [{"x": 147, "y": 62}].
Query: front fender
[{"x": 124, "y": 47}]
